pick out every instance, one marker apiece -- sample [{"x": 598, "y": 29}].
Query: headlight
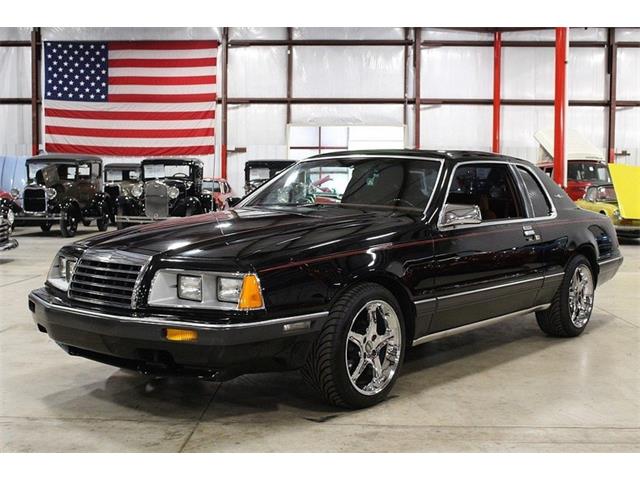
[
  {"x": 51, "y": 193},
  {"x": 190, "y": 287},
  {"x": 173, "y": 192},
  {"x": 616, "y": 213},
  {"x": 229, "y": 289},
  {"x": 61, "y": 271},
  {"x": 15, "y": 193},
  {"x": 137, "y": 190},
  {"x": 11, "y": 217}
]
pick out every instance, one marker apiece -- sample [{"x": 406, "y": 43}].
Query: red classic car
[
  {"x": 219, "y": 189},
  {"x": 581, "y": 174}
]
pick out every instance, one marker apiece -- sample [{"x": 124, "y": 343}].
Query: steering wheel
[{"x": 395, "y": 201}]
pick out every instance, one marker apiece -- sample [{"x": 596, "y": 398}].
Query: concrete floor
[{"x": 503, "y": 388}]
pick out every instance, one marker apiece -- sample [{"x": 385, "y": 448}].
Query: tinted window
[
  {"x": 584, "y": 171},
  {"x": 541, "y": 207},
  {"x": 490, "y": 187}
]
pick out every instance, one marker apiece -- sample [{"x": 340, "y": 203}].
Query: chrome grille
[
  {"x": 108, "y": 278},
  {"x": 156, "y": 200},
  {"x": 34, "y": 199}
]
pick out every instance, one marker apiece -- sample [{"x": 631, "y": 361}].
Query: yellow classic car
[{"x": 619, "y": 201}]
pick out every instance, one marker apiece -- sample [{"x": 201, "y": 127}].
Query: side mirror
[
  {"x": 233, "y": 201},
  {"x": 457, "y": 214}
]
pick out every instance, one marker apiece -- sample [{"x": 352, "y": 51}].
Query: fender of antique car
[{"x": 429, "y": 242}]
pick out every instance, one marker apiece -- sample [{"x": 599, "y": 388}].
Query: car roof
[
  {"x": 450, "y": 156},
  {"x": 63, "y": 157},
  {"x": 121, "y": 165},
  {"x": 172, "y": 160}
]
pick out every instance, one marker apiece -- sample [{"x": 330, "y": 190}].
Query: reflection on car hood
[
  {"x": 252, "y": 237},
  {"x": 626, "y": 182}
]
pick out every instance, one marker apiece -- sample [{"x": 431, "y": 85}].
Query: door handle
[{"x": 529, "y": 233}]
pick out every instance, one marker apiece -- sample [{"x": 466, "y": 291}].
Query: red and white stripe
[{"x": 161, "y": 101}]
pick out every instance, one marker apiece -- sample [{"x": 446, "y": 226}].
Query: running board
[{"x": 473, "y": 326}]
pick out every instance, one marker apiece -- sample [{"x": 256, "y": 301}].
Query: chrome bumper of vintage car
[{"x": 37, "y": 216}]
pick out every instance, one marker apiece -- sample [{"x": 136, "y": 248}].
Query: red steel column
[
  {"x": 497, "y": 68},
  {"x": 559, "y": 160}
]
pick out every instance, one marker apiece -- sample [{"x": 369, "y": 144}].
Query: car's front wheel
[
  {"x": 356, "y": 359},
  {"x": 572, "y": 304},
  {"x": 69, "y": 219},
  {"x": 103, "y": 221}
]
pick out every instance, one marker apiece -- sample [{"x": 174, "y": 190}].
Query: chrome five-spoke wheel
[
  {"x": 581, "y": 296},
  {"x": 373, "y": 349}
]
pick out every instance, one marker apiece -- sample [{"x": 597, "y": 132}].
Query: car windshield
[
  {"x": 159, "y": 170},
  {"x": 582, "y": 171},
  {"x": 212, "y": 186},
  {"x": 390, "y": 183},
  {"x": 120, "y": 175},
  {"x": 606, "y": 194}
]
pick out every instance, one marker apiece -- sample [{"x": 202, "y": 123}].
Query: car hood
[
  {"x": 258, "y": 238},
  {"x": 626, "y": 179}
]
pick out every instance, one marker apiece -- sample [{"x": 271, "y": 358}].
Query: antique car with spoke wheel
[
  {"x": 336, "y": 267},
  {"x": 6, "y": 242},
  {"x": 168, "y": 187},
  {"x": 63, "y": 189}
]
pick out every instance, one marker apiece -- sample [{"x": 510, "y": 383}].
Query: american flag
[{"x": 130, "y": 98}]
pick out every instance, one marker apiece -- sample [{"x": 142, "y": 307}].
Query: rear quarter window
[{"x": 539, "y": 201}]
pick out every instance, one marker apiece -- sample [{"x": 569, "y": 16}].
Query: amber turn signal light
[
  {"x": 250, "y": 295},
  {"x": 180, "y": 335}
]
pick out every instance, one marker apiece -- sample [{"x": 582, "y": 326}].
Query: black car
[
  {"x": 336, "y": 267},
  {"x": 257, "y": 172},
  {"x": 118, "y": 180},
  {"x": 63, "y": 189},
  {"x": 169, "y": 187},
  {"x": 6, "y": 242}
]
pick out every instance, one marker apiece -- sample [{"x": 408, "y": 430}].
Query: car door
[{"x": 492, "y": 268}]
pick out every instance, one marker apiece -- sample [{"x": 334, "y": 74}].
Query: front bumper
[
  {"x": 8, "y": 245},
  {"x": 628, "y": 231},
  {"x": 139, "y": 343},
  {"x": 24, "y": 219}
]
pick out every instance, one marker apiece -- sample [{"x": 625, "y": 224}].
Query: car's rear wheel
[
  {"x": 69, "y": 219},
  {"x": 357, "y": 357},
  {"x": 572, "y": 304},
  {"x": 45, "y": 227}
]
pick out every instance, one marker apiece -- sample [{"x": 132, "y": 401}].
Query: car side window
[
  {"x": 489, "y": 186},
  {"x": 539, "y": 200}
]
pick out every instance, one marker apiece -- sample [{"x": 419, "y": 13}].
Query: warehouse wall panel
[
  {"x": 258, "y": 72},
  {"x": 347, "y": 114},
  {"x": 362, "y": 71},
  {"x": 627, "y": 135},
  {"x": 447, "y": 34},
  {"x": 628, "y": 74},
  {"x": 15, "y": 65},
  {"x": 519, "y": 124},
  {"x": 457, "y": 72},
  {"x": 131, "y": 33},
  {"x": 257, "y": 33},
  {"x": 528, "y": 73},
  {"x": 587, "y": 74},
  {"x": 15, "y": 129},
  {"x": 350, "y": 33},
  {"x": 456, "y": 127}
]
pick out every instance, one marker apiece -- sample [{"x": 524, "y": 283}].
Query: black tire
[
  {"x": 103, "y": 222},
  {"x": 556, "y": 320},
  {"x": 120, "y": 225},
  {"x": 326, "y": 369},
  {"x": 86, "y": 223},
  {"x": 70, "y": 217},
  {"x": 45, "y": 227}
]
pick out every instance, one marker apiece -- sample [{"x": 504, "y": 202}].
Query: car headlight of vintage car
[
  {"x": 51, "y": 193},
  {"x": 198, "y": 289},
  {"x": 137, "y": 190},
  {"x": 11, "y": 217},
  {"x": 616, "y": 214},
  {"x": 61, "y": 271},
  {"x": 173, "y": 192},
  {"x": 15, "y": 192}
]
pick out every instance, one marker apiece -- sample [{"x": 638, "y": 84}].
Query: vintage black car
[
  {"x": 6, "y": 242},
  {"x": 395, "y": 248},
  {"x": 118, "y": 180},
  {"x": 169, "y": 187},
  {"x": 63, "y": 189},
  {"x": 257, "y": 172}
]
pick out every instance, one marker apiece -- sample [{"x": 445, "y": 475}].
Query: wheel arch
[
  {"x": 397, "y": 289},
  {"x": 589, "y": 251}
]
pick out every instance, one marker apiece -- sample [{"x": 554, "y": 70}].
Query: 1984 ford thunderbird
[{"x": 336, "y": 266}]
